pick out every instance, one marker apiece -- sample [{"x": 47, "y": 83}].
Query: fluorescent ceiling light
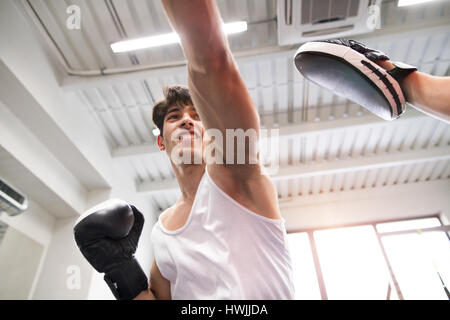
[
  {"x": 234, "y": 27},
  {"x": 404, "y": 3},
  {"x": 168, "y": 38}
]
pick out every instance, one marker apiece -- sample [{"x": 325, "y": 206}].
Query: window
[
  {"x": 305, "y": 278},
  {"x": 420, "y": 261},
  {"x": 355, "y": 262},
  {"x": 352, "y": 263}
]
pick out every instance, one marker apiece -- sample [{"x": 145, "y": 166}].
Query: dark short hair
[{"x": 173, "y": 96}]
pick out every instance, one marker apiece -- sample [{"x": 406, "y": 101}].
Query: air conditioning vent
[
  {"x": 305, "y": 20},
  {"x": 328, "y": 20},
  {"x": 12, "y": 201},
  {"x": 313, "y": 34}
]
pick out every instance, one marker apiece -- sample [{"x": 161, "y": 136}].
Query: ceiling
[
  {"x": 105, "y": 22},
  {"x": 327, "y": 144}
]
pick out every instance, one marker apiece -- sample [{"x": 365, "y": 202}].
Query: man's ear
[{"x": 160, "y": 141}]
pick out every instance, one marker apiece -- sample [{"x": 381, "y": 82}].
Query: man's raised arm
[{"x": 218, "y": 92}]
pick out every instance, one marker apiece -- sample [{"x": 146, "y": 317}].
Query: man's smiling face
[{"x": 182, "y": 130}]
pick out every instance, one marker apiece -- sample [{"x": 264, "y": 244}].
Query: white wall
[
  {"x": 370, "y": 205},
  {"x": 65, "y": 127},
  {"x": 36, "y": 222},
  {"x": 62, "y": 254},
  {"x": 38, "y": 225},
  {"x": 37, "y": 161},
  {"x": 19, "y": 260}
]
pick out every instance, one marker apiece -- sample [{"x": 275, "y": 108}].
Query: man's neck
[{"x": 188, "y": 177}]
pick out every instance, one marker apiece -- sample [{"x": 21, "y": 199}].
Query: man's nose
[{"x": 186, "y": 121}]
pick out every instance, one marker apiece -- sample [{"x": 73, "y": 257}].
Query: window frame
[{"x": 379, "y": 235}]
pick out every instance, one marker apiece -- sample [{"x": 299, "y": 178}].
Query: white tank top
[{"x": 224, "y": 251}]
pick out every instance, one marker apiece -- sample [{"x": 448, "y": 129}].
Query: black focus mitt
[{"x": 348, "y": 68}]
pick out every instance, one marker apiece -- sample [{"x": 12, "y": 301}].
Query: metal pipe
[{"x": 111, "y": 71}]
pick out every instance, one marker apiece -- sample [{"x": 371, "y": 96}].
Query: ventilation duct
[
  {"x": 12, "y": 201},
  {"x": 306, "y": 20}
]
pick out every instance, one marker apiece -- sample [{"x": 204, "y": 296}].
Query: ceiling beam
[
  {"x": 329, "y": 167},
  {"x": 133, "y": 151},
  {"x": 299, "y": 130},
  {"x": 366, "y": 206},
  {"x": 28, "y": 164},
  {"x": 152, "y": 187},
  {"x": 348, "y": 196},
  {"x": 363, "y": 163},
  {"x": 29, "y": 89}
]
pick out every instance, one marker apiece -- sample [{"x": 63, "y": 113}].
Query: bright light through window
[
  {"x": 405, "y": 3},
  {"x": 354, "y": 267},
  {"x": 305, "y": 279},
  {"x": 352, "y": 263},
  {"x": 421, "y": 263},
  {"x": 408, "y": 225}
]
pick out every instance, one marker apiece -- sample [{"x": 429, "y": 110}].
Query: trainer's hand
[
  {"x": 108, "y": 236},
  {"x": 369, "y": 53}
]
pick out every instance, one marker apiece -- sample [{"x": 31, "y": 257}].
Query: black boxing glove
[{"x": 108, "y": 235}]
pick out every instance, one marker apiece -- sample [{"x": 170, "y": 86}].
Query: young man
[{"x": 224, "y": 238}]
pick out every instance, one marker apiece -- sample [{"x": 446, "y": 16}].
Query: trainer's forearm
[
  {"x": 428, "y": 93},
  {"x": 199, "y": 25}
]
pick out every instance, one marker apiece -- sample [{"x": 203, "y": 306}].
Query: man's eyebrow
[
  {"x": 191, "y": 108},
  {"x": 172, "y": 109}
]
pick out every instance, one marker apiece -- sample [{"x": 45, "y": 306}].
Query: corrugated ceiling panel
[
  {"x": 67, "y": 48},
  {"x": 115, "y": 126},
  {"x": 166, "y": 199},
  {"x": 158, "y": 166},
  {"x": 124, "y": 110},
  {"x": 440, "y": 170},
  {"x": 105, "y": 22},
  {"x": 358, "y": 143}
]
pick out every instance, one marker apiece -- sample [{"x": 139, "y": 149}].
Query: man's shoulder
[
  {"x": 235, "y": 172},
  {"x": 253, "y": 189}
]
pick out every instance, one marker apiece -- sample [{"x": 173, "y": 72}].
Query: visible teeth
[{"x": 191, "y": 136}]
